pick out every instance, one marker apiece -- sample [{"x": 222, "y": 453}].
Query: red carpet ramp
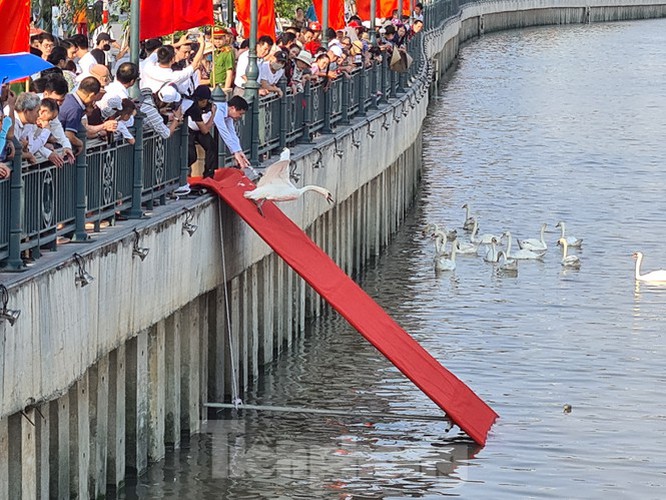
[{"x": 461, "y": 405}]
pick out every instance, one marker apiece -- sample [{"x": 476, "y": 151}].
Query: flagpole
[
  {"x": 324, "y": 23},
  {"x": 251, "y": 93},
  {"x": 373, "y": 16},
  {"x": 135, "y": 12}
]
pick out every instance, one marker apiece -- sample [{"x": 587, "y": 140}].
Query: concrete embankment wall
[{"x": 97, "y": 381}]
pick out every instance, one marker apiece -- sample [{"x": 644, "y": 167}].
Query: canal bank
[{"x": 152, "y": 364}]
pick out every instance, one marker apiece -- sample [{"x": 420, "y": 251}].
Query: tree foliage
[{"x": 287, "y": 8}]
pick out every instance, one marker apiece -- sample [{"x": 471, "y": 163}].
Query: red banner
[
  {"x": 384, "y": 8},
  {"x": 15, "y": 34},
  {"x": 165, "y": 17},
  {"x": 266, "y": 21},
  {"x": 336, "y": 13}
]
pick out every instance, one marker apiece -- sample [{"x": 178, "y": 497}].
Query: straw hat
[{"x": 306, "y": 57}]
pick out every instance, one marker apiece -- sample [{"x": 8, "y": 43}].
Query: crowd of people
[{"x": 87, "y": 89}]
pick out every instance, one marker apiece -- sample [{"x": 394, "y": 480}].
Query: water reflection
[{"x": 542, "y": 125}]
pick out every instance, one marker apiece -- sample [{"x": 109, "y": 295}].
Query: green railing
[{"x": 41, "y": 204}]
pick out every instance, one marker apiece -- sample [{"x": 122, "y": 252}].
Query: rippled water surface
[{"x": 538, "y": 125}]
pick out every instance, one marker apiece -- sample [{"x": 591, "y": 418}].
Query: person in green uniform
[{"x": 223, "y": 60}]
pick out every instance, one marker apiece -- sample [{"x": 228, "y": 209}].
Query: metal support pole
[
  {"x": 230, "y": 13},
  {"x": 17, "y": 203},
  {"x": 184, "y": 153},
  {"x": 135, "y": 14},
  {"x": 373, "y": 16},
  {"x": 252, "y": 85},
  {"x": 80, "y": 234},
  {"x": 136, "y": 212},
  {"x": 324, "y": 23}
]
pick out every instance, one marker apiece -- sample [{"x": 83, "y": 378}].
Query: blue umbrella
[{"x": 21, "y": 65}]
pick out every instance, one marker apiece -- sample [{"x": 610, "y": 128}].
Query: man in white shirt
[
  {"x": 155, "y": 76},
  {"x": 85, "y": 58},
  {"x": 264, "y": 45},
  {"x": 126, "y": 75},
  {"x": 26, "y": 113},
  {"x": 270, "y": 72},
  {"x": 55, "y": 88},
  {"x": 227, "y": 113}
]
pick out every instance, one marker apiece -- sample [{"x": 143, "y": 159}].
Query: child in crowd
[
  {"x": 36, "y": 145},
  {"x": 125, "y": 119}
]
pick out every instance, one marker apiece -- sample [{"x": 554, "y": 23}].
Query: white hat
[
  {"x": 337, "y": 50},
  {"x": 305, "y": 56},
  {"x": 169, "y": 93}
]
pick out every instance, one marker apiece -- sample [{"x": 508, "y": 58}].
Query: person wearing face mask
[
  {"x": 104, "y": 42},
  {"x": 270, "y": 72}
]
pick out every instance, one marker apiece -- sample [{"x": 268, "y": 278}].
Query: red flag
[
  {"x": 336, "y": 13},
  {"x": 266, "y": 21},
  {"x": 15, "y": 33},
  {"x": 167, "y": 16},
  {"x": 384, "y": 8}
]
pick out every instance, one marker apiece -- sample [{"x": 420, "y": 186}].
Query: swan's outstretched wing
[{"x": 277, "y": 173}]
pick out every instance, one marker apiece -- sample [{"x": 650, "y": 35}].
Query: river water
[{"x": 538, "y": 125}]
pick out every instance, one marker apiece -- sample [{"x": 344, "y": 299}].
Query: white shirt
[
  {"x": 85, "y": 63},
  {"x": 113, "y": 89},
  {"x": 266, "y": 73},
  {"x": 150, "y": 60},
  {"x": 225, "y": 126},
  {"x": 155, "y": 76},
  {"x": 241, "y": 68}
]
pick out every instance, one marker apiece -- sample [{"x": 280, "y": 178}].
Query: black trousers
[{"x": 207, "y": 142}]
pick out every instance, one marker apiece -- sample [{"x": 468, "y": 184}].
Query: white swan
[
  {"x": 465, "y": 248},
  {"x": 442, "y": 263},
  {"x": 275, "y": 185},
  {"x": 658, "y": 276},
  {"x": 534, "y": 244},
  {"x": 568, "y": 260},
  {"x": 506, "y": 263},
  {"x": 522, "y": 254},
  {"x": 440, "y": 244},
  {"x": 484, "y": 239},
  {"x": 430, "y": 229},
  {"x": 491, "y": 254},
  {"x": 571, "y": 241},
  {"x": 468, "y": 225}
]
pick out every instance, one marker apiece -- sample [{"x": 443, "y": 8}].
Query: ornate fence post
[
  {"x": 80, "y": 234},
  {"x": 382, "y": 96},
  {"x": 184, "y": 149},
  {"x": 373, "y": 85},
  {"x": 136, "y": 212},
  {"x": 283, "y": 113},
  {"x": 307, "y": 115},
  {"x": 344, "y": 120},
  {"x": 363, "y": 81},
  {"x": 17, "y": 206},
  {"x": 218, "y": 97},
  {"x": 328, "y": 105}
]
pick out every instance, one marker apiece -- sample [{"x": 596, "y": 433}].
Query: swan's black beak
[{"x": 329, "y": 198}]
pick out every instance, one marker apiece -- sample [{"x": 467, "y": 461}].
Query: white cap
[
  {"x": 337, "y": 50},
  {"x": 169, "y": 93}
]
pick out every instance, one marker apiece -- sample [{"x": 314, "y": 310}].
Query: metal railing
[{"x": 42, "y": 204}]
